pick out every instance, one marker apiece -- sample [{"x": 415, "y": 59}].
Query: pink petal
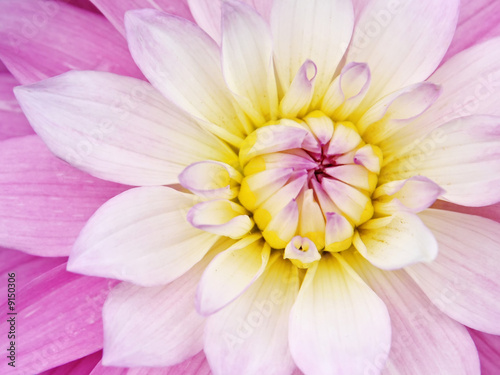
[
  {"x": 59, "y": 320},
  {"x": 84, "y": 4},
  {"x": 3, "y": 68},
  {"x": 141, "y": 236},
  {"x": 26, "y": 267},
  {"x": 490, "y": 212},
  {"x": 174, "y": 330},
  {"x": 117, "y": 128},
  {"x": 479, "y": 20},
  {"x": 13, "y": 123},
  {"x": 463, "y": 280},
  {"x": 469, "y": 83},
  {"x": 196, "y": 365},
  {"x": 412, "y": 195},
  {"x": 464, "y": 160},
  {"x": 338, "y": 325},
  {"x": 115, "y": 10},
  {"x": 488, "y": 347},
  {"x": 82, "y": 366},
  {"x": 424, "y": 340},
  {"x": 207, "y": 14},
  {"x": 359, "y": 5},
  {"x": 402, "y": 42},
  {"x": 47, "y": 38},
  {"x": 44, "y": 203}
]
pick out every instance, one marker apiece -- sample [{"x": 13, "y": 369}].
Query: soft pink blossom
[{"x": 431, "y": 81}]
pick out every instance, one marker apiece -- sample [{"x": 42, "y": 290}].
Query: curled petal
[
  {"x": 298, "y": 96},
  {"x": 346, "y": 91},
  {"x": 413, "y": 195},
  {"x": 221, "y": 217},
  {"x": 210, "y": 179}
]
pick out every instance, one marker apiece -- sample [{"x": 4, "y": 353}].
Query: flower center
[
  {"x": 305, "y": 183},
  {"x": 311, "y": 178}
]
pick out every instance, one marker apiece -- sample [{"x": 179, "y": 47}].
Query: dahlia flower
[{"x": 316, "y": 185}]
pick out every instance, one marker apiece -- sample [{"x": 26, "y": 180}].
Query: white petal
[
  {"x": 470, "y": 84},
  {"x": 424, "y": 340},
  {"x": 247, "y": 61},
  {"x": 250, "y": 336},
  {"x": 315, "y": 30},
  {"x": 402, "y": 42},
  {"x": 117, "y": 128},
  {"x": 396, "y": 241},
  {"x": 464, "y": 160},
  {"x": 338, "y": 325},
  {"x": 174, "y": 330},
  {"x": 207, "y": 14},
  {"x": 141, "y": 236},
  {"x": 183, "y": 63}
]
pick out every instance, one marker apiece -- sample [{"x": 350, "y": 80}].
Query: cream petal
[
  {"x": 250, "y": 335},
  {"x": 329, "y": 26},
  {"x": 338, "y": 325},
  {"x": 117, "y": 128},
  {"x": 247, "y": 61},
  {"x": 282, "y": 226},
  {"x": 258, "y": 187},
  {"x": 338, "y": 232},
  {"x": 383, "y": 122},
  {"x": 346, "y": 91},
  {"x": 207, "y": 14},
  {"x": 297, "y": 98},
  {"x": 311, "y": 221},
  {"x": 273, "y": 138},
  {"x": 141, "y": 236},
  {"x": 184, "y": 64},
  {"x": 396, "y": 241},
  {"x": 231, "y": 273},
  {"x": 402, "y": 42}
]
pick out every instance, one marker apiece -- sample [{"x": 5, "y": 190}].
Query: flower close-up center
[{"x": 263, "y": 186}]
